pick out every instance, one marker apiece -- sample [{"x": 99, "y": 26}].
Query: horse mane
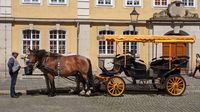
[
  {"x": 43, "y": 53},
  {"x": 53, "y": 54}
]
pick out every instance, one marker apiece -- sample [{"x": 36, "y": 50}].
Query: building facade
[{"x": 72, "y": 27}]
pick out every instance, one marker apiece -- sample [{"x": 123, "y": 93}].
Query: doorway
[{"x": 178, "y": 49}]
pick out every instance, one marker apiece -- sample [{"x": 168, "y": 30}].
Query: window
[
  {"x": 57, "y": 2},
  {"x": 161, "y": 3},
  {"x": 189, "y": 3},
  {"x": 30, "y": 1},
  {"x": 31, "y": 39},
  {"x": 130, "y": 46},
  {"x": 104, "y": 2},
  {"x": 57, "y": 41},
  {"x": 106, "y": 47},
  {"x": 133, "y": 2}
]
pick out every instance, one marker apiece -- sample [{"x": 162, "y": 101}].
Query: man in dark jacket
[{"x": 14, "y": 68}]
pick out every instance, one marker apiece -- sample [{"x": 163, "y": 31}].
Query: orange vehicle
[{"x": 163, "y": 72}]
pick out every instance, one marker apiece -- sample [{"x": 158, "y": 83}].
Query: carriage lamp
[{"x": 134, "y": 18}]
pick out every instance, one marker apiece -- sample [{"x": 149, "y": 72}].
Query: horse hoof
[
  {"x": 51, "y": 95},
  {"x": 71, "y": 91},
  {"x": 88, "y": 93},
  {"x": 82, "y": 93}
]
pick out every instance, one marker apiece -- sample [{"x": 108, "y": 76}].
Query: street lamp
[{"x": 134, "y": 18}]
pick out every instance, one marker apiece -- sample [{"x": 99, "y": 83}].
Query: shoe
[
  {"x": 18, "y": 94},
  {"x": 15, "y": 96}
]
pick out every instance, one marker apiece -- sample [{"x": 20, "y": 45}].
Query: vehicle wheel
[
  {"x": 115, "y": 86},
  {"x": 175, "y": 85}
]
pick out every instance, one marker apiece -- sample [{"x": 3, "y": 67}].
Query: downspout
[
  {"x": 78, "y": 32},
  {"x": 5, "y": 44}
]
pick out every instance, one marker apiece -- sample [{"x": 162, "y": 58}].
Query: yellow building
[{"x": 71, "y": 26}]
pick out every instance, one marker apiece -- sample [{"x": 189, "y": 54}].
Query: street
[
  {"x": 142, "y": 101},
  {"x": 128, "y": 103}
]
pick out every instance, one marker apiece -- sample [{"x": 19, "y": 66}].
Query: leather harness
[{"x": 47, "y": 68}]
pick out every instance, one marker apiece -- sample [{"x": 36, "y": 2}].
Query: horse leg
[
  {"x": 89, "y": 80},
  {"x": 47, "y": 83},
  {"x": 54, "y": 88},
  {"x": 77, "y": 90},
  {"x": 83, "y": 91},
  {"x": 52, "y": 85},
  {"x": 88, "y": 89}
]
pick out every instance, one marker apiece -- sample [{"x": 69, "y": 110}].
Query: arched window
[
  {"x": 130, "y": 46},
  {"x": 106, "y": 47},
  {"x": 57, "y": 41},
  {"x": 31, "y": 39}
]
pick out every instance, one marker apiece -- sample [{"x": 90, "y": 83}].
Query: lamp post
[{"x": 134, "y": 18}]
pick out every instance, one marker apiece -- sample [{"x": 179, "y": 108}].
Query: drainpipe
[
  {"x": 78, "y": 32},
  {"x": 5, "y": 44}
]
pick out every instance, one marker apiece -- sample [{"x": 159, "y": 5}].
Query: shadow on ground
[{"x": 130, "y": 90}]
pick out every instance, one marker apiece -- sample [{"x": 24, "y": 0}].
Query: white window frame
[
  {"x": 57, "y": 40},
  {"x": 58, "y": 3},
  {"x": 129, "y": 43},
  {"x": 140, "y": 3},
  {"x": 31, "y": 39},
  {"x": 154, "y": 5},
  {"x": 31, "y": 2},
  {"x": 194, "y": 1},
  {"x": 106, "y": 46},
  {"x": 112, "y": 3}
]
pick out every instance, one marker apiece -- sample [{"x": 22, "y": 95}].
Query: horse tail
[{"x": 90, "y": 75}]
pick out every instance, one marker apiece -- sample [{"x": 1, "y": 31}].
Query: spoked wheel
[
  {"x": 115, "y": 86},
  {"x": 175, "y": 85}
]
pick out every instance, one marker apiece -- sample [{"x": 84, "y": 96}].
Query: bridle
[{"x": 34, "y": 64}]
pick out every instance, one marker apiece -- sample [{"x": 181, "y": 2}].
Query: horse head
[{"x": 36, "y": 55}]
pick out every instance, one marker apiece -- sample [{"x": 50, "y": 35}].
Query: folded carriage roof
[{"x": 149, "y": 38}]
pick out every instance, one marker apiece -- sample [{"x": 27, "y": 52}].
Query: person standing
[
  {"x": 14, "y": 67},
  {"x": 197, "y": 64}
]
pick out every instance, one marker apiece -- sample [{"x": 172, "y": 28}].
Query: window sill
[
  {"x": 106, "y": 55},
  {"x": 160, "y": 6},
  {"x": 133, "y": 6},
  {"x": 57, "y": 4},
  {"x": 30, "y": 3},
  {"x": 190, "y": 7},
  {"x": 109, "y": 6}
]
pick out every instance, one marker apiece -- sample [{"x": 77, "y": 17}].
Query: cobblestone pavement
[
  {"x": 128, "y": 103},
  {"x": 142, "y": 101}
]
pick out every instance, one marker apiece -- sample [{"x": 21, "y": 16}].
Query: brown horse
[{"x": 53, "y": 64}]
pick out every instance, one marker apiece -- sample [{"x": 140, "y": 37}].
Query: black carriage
[{"x": 163, "y": 72}]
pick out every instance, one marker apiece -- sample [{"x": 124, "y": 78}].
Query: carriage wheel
[
  {"x": 115, "y": 86},
  {"x": 175, "y": 85}
]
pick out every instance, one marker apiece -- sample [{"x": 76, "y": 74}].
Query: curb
[{"x": 7, "y": 92}]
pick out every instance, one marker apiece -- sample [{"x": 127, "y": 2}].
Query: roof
[{"x": 149, "y": 38}]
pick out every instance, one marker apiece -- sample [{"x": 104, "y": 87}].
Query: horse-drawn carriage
[{"x": 163, "y": 72}]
